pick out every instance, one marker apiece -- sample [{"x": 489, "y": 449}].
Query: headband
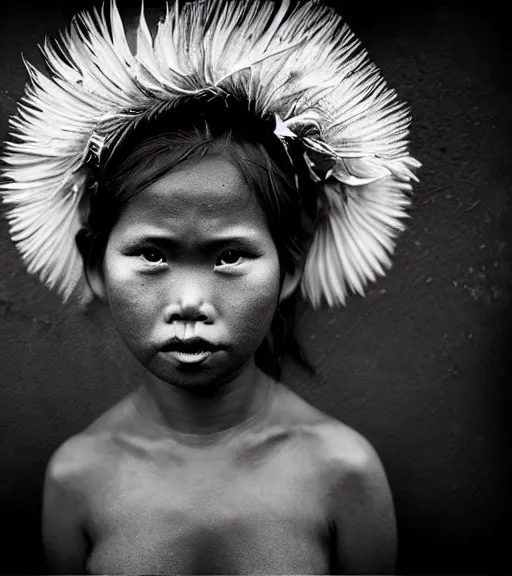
[{"x": 300, "y": 64}]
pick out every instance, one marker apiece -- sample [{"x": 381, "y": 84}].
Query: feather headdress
[{"x": 300, "y": 64}]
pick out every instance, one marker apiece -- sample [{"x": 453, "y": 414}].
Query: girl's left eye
[
  {"x": 230, "y": 258},
  {"x": 152, "y": 256}
]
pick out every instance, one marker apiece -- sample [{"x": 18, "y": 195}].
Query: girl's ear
[
  {"x": 93, "y": 268},
  {"x": 94, "y": 276},
  {"x": 290, "y": 283}
]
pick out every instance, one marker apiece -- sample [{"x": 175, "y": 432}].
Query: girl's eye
[
  {"x": 152, "y": 256},
  {"x": 230, "y": 258}
]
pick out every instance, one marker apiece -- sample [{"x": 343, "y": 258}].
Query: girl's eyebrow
[{"x": 249, "y": 238}]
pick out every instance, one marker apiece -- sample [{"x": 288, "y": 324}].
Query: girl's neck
[{"x": 195, "y": 417}]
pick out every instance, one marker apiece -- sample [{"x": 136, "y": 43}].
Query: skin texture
[
  {"x": 215, "y": 468},
  {"x": 172, "y": 267}
]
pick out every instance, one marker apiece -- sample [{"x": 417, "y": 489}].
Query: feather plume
[{"x": 299, "y": 63}]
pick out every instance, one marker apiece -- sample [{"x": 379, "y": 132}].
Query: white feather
[{"x": 303, "y": 65}]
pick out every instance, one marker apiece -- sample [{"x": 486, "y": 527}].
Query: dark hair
[{"x": 197, "y": 127}]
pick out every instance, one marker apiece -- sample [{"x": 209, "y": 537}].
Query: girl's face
[{"x": 191, "y": 256}]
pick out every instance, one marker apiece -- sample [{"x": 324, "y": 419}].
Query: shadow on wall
[{"x": 419, "y": 366}]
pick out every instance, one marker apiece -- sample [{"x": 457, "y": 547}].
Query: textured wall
[{"x": 419, "y": 366}]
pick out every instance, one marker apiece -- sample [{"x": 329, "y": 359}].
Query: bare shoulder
[
  {"x": 65, "y": 504},
  {"x": 86, "y": 452},
  {"x": 359, "y": 506},
  {"x": 345, "y": 449},
  {"x": 72, "y": 467},
  {"x": 71, "y": 458},
  {"x": 348, "y": 450},
  {"x": 75, "y": 477}
]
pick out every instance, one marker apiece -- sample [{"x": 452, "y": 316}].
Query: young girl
[{"x": 246, "y": 149}]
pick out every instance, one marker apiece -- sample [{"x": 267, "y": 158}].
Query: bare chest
[{"x": 263, "y": 513}]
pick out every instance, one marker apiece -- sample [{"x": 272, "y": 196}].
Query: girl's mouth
[
  {"x": 190, "y": 357},
  {"x": 190, "y": 351}
]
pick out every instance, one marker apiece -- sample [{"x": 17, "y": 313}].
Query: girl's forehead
[
  {"x": 208, "y": 194},
  {"x": 212, "y": 178}
]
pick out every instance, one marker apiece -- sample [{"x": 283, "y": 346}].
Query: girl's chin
[{"x": 201, "y": 370}]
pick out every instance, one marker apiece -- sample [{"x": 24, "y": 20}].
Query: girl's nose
[
  {"x": 186, "y": 313},
  {"x": 190, "y": 307}
]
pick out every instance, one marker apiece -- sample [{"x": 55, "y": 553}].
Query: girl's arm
[
  {"x": 64, "y": 539},
  {"x": 362, "y": 515}
]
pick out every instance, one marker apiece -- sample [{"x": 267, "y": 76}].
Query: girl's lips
[
  {"x": 190, "y": 357},
  {"x": 194, "y": 345}
]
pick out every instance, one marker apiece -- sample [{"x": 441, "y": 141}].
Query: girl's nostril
[{"x": 177, "y": 317}]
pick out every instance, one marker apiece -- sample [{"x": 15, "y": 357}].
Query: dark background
[{"x": 421, "y": 366}]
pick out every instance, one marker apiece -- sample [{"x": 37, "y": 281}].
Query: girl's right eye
[{"x": 152, "y": 256}]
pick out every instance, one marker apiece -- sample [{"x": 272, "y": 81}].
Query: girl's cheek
[
  {"x": 256, "y": 298},
  {"x": 127, "y": 291}
]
